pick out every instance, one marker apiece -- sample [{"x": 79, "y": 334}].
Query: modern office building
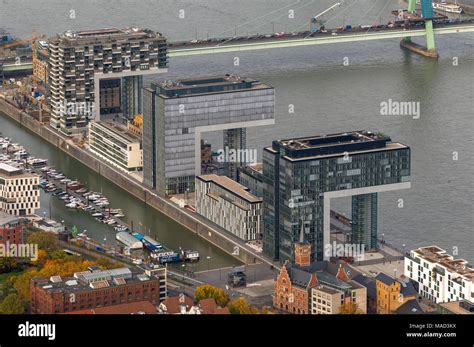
[
  {"x": 440, "y": 277},
  {"x": 19, "y": 191},
  {"x": 302, "y": 175},
  {"x": 106, "y": 62},
  {"x": 177, "y": 113},
  {"x": 92, "y": 289},
  {"x": 251, "y": 176},
  {"x": 116, "y": 144},
  {"x": 229, "y": 205}
]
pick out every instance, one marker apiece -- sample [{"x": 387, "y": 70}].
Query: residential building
[
  {"x": 333, "y": 292},
  {"x": 116, "y": 144},
  {"x": 305, "y": 287},
  {"x": 40, "y": 61},
  {"x": 229, "y": 205},
  {"x": 97, "y": 74},
  {"x": 19, "y": 192},
  {"x": 369, "y": 284},
  {"x": 11, "y": 229},
  {"x": 392, "y": 293},
  {"x": 302, "y": 175},
  {"x": 176, "y": 113},
  {"x": 179, "y": 304},
  {"x": 95, "y": 289},
  {"x": 440, "y": 277}
]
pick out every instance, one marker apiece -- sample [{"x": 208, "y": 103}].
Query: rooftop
[
  {"x": 6, "y": 218},
  {"x": 110, "y": 34},
  {"x": 12, "y": 171},
  {"x": 231, "y": 186},
  {"x": 92, "y": 280},
  {"x": 360, "y": 141},
  {"x": 119, "y": 129},
  {"x": 435, "y": 255},
  {"x": 205, "y": 85}
]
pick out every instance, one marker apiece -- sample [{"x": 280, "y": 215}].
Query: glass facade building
[
  {"x": 175, "y": 113},
  {"x": 300, "y": 176}
]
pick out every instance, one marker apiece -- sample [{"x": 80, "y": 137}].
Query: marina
[{"x": 76, "y": 196}]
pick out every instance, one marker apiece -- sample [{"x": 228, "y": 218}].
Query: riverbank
[{"x": 212, "y": 234}]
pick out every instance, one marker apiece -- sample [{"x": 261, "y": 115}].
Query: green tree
[
  {"x": 7, "y": 264},
  {"x": 207, "y": 291},
  {"x": 241, "y": 306},
  {"x": 12, "y": 304}
]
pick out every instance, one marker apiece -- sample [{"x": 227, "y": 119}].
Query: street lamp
[
  {"x": 208, "y": 263},
  {"x": 403, "y": 249},
  {"x": 383, "y": 237}
]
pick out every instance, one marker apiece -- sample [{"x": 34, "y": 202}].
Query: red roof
[
  {"x": 173, "y": 303},
  {"x": 209, "y": 306}
]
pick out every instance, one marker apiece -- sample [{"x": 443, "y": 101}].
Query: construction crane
[
  {"x": 316, "y": 21},
  {"x": 15, "y": 43}
]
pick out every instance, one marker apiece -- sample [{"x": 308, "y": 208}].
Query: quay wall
[{"x": 194, "y": 223}]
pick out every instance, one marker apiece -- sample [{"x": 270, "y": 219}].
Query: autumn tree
[
  {"x": 7, "y": 264},
  {"x": 241, "y": 306},
  {"x": 207, "y": 291},
  {"x": 350, "y": 308},
  {"x": 45, "y": 240},
  {"x": 12, "y": 304}
]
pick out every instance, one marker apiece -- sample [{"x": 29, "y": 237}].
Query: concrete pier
[{"x": 419, "y": 49}]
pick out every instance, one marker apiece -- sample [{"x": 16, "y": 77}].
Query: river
[{"x": 327, "y": 97}]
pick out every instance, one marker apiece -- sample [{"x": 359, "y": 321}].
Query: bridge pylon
[{"x": 427, "y": 12}]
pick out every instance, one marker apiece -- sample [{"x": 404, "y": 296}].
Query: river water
[{"x": 327, "y": 97}]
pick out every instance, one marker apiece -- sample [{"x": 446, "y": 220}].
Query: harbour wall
[{"x": 196, "y": 224}]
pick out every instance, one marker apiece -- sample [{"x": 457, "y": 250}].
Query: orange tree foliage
[
  {"x": 207, "y": 291},
  {"x": 63, "y": 267},
  {"x": 349, "y": 308},
  {"x": 241, "y": 306}
]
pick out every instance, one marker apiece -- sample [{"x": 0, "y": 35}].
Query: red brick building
[
  {"x": 294, "y": 282},
  {"x": 11, "y": 229},
  {"x": 94, "y": 289}
]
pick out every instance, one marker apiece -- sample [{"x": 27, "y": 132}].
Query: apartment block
[
  {"x": 19, "y": 191},
  {"x": 83, "y": 65},
  {"x": 440, "y": 277},
  {"x": 229, "y": 205},
  {"x": 117, "y": 145}
]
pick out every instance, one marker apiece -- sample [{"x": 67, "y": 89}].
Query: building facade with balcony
[{"x": 83, "y": 65}]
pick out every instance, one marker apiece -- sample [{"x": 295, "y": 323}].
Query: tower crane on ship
[{"x": 317, "y": 24}]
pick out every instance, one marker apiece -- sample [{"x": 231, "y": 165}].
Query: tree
[
  {"x": 241, "y": 306},
  {"x": 350, "y": 308},
  {"x": 207, "y": 291},
  {"x": 7, "y": 264},
  {"x": 44, "y": 240},
  {"x": 12, "y": 304}
]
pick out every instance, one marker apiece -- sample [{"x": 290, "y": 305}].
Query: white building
[
  {"x": 19, "y": 191},
  {"x": 229, "y": 205},
  {"x": 117, "y": 145},
  {"x": 440, "y": 277}
]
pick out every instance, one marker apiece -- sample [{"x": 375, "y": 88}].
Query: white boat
[
  {"x": 119, "y": 215},
  {"x": 71, "y": 205},
  {"x": 449, "y": 8},
  {"x": 128, "y": 240}
]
